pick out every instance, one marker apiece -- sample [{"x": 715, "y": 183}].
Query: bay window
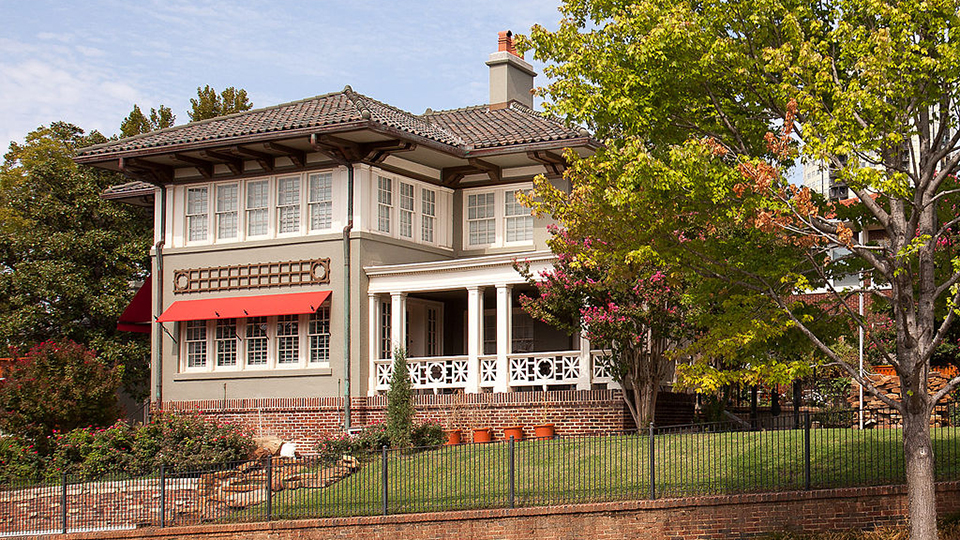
[{"x": 494, "y": 218}]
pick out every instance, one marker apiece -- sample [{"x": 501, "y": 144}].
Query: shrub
[
  {"x": 58, "y": 387},
  {"x": 184, "y": 442},
  {"x": 400, "y": 402},
  {"x": 428, "y": 434},
  {"x": 94, "y": 452},
  {"x": 362, "y": 446},
  {"x": 19, "y": 461}
]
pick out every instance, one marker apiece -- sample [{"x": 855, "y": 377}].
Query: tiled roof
[
  {"x": 485, "y": 127},
  {"x": 474, "y": 127},
  {"x": 130, "y": 188}
]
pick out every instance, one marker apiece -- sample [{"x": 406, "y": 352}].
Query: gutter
[
  {"x": 158, "y": 303},
  {"x": 346, "y": 299}
]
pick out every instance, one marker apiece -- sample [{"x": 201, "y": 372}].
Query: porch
[{"x": 463, "y": 329}]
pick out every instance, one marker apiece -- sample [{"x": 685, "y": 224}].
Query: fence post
[
  {"x": 653, "y": 474},
  {"x": 513, "y": 476},
  {"x": 63, "y": 501},
  {"x": 269, "y": 488},
  {"x": 384, "y": 478},
  {"x": 806, "y": 450},
  {"x": 163, "y": 496}
]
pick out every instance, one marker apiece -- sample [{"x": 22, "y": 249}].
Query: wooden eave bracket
[
  {"x": 234, "y": 163},
  {"x": 139, "y": 169},
  {"x": 266, "y": 161},
  {"x": 555, "y": 164},
  {"x": 493, "y": 171},
  {"x": 204, "y": 167},
  {"x": 451, "y": 176},
  {"x": 298, "y": 157}
]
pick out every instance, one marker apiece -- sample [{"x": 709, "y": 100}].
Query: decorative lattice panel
[
  {"x": 559, "y": 368},
  {"x": 602, "y": 366},
  {"x": 427, "y": 372},
  {"x": 488, "y": 371},
  {"x": 252, "y": 276}
]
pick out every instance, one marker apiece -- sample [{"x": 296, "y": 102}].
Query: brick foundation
[
  {"x": 304, "y": 420},
  {"x": 719, "y": 517}
]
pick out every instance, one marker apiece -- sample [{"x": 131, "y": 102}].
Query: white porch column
[
  {"x": 398, "y": 321},
  {"x": 474, "y": 337},
  {"x": 504, "y": 337},
  {"x": 584, "y": 382},
  {"x": 373, "y": 331}
]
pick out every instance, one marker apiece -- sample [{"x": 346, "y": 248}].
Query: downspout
[
  {"x": 158, "y": 303},
  {"x": 346, "y": 299}
]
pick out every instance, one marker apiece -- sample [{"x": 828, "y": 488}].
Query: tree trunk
[
  {"x": 647, "y": 404},
  {"x": 918, "y": 458}
]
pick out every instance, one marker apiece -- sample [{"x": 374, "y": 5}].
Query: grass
[{"x": 565, "y": 471}]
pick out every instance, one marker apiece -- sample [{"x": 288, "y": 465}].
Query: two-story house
[{"x": 298, "y": 245}]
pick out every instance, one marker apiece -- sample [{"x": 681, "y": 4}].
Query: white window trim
[
  {"x": 303, "y": 351},
  {"x": 500, "y": 217},
  {"x": 441, "y": 231}
]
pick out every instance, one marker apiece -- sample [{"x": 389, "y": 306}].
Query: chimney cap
[{"x": 505, "y": 43}]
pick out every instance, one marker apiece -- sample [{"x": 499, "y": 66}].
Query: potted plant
[
  {"x": 480, "y": 434},
  {"x": 454, "y": 420},
  {"x": 515, "y": 429},
  {"x": 545, "y": 430}
]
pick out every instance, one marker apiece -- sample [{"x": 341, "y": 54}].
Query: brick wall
[
  {"x": 304, "y": 420},
  {"x": 707, "y": 518}
]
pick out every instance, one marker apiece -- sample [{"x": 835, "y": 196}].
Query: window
[
  {"x": 406, "y": 210},
  {"x": 518, "y": 221},
  {"x": 288, "y": 340},
  {"x": 256, "y": 341},
  {"x": 227, "y": 205},
  {"x": 481, "y": 221},
  {"x": 196, "y": 343},
  {"x": 321, "y": 201},
  {"x": 197, "y": 214},
  {"x": 257, "y": 202},
  {"x": 433, "y": 334},
  {"x": 384, "y": 203},
  {"x": 226, "y": 342},
  {"x": 428, "y": 207},
  {"x": 288, "y": 204},
  {"x": 318, "y": 330},
  {"x": 386, "y": 338}
]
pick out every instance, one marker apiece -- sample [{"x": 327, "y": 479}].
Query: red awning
[
  {"x": 136, "y": 317},
  {"x": 245, "y": 306}
]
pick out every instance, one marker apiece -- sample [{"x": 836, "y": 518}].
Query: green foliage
[
  {"x": 209, "y": 104},
  {"x": 428, "y": 434},
  {"x": 95, "y": 452},
  {"x": 58, "y": 387},
  {"x": 136, "y": 122},
  {"x": 67, "y": 257},
  {"x": 400, "y": 402},
  {"x": 19, "y": 461},
  {"x": 364, "y": 446},
  {"x": 185, "y": 442}
]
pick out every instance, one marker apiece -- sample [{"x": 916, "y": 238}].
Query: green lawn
[{"x": 617, "y": 468}]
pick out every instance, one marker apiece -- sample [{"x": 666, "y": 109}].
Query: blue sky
[{"x": 89, "y": 62}]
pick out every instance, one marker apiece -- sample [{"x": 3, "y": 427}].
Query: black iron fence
[{"x": 806, "y": 451}]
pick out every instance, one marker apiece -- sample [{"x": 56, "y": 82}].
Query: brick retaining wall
[
  {"x": 304, "y": 420},
  {"x": 717, "y": 517}
]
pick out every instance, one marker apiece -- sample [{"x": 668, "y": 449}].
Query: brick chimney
[{"x": 511, "y": 77}]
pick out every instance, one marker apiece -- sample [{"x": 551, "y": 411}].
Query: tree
[
  {"x": 705, "y": 105},
  {"x": 136, "y": 122},
  {"x": 400, "y": 402},
  {"x": 57, "y": 387},
  {"x": 68, "y": 257},
  {"x": 634, "y": 311},
  {"x": 209, "y": 104}
]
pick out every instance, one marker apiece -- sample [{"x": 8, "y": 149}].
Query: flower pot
[
  {"x": 514, "y": 431},
  {"x": 544, "y": 432},
  {"x": 454, "y": 436},
  {"x": 482, "y": 435}
]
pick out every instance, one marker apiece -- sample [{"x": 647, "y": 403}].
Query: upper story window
[
  {"x": 384, "y": 203},
  {"x": 255, "y": 209},
  {"x": 198, "y": 209},
  {"x": 406, "y": 210},
  {"x": 428, "y": 218},
  {"x": 410, "y": 210},
  {"x": 494, "y": 218}
]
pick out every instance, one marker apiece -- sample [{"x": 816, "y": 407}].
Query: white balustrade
[
  {"x": 427, "y": 373},
  {"x": 544, "y": 368},
  {"x": 488, "y": 371}
]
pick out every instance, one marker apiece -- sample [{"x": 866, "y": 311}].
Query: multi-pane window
[
  {"x": 406, "y": 210},
  {"x": 288, "y": 204},
  {"x": 197, "y": 214},
  {"x": 433, "y": 334},
  {"x": 256, "y": 341},
  {"x": 481, "y": 220},
  {"x": 321, "y": 201},
  {"x": 384, "y": 203},
  {"x": 226, "y": 342},
  {"x": 518, "y": 221},
  {"x": 196, "y": 344},
  {"x": 227, "y": 206},
  {"x": 428, "y": 209},
  {"x": 288, "y": 339},
  {"x": 257, "y": 207},
  {"x": 386, "y": 338},
  {"x": 318, "y": 330}
]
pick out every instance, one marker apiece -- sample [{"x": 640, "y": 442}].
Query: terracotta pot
[
  {"x": 454, "y": 436},
  {"x": 482, "y": 435},
  {"x": 514, "y": 431},
  {"x": 544, "y": 432}
]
